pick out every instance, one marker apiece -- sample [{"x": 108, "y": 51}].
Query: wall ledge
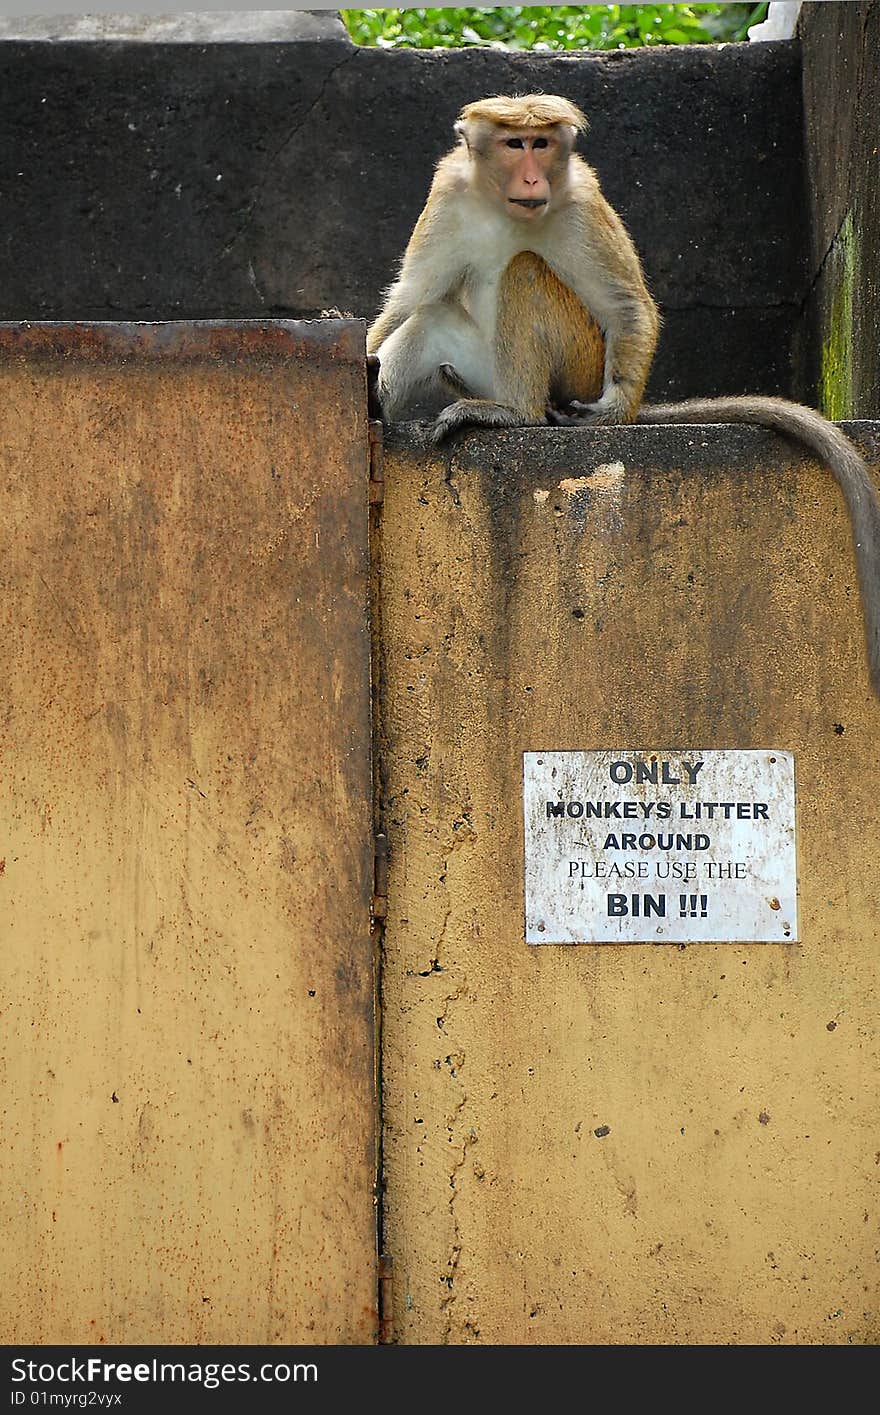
[{"x": 202, "y": 27}]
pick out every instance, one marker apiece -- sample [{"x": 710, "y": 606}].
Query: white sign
[{"x": 660, "y": 847}]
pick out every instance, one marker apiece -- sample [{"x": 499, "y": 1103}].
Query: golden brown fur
[{"x": 559, "y": 353}]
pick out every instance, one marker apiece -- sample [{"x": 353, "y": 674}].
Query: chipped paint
[
  {"x": 605, "y": 477},
  {"x": 572, "y": 485}
]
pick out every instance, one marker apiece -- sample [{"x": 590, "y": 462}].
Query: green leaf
[{"x": 553, "y": 27}]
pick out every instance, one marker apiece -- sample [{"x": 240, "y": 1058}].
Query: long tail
[{"x": 830, "y": 446}]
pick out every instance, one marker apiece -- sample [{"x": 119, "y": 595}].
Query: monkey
[
  {"x": 519, "y": 284},
  {"x": 521, "y": 296}
]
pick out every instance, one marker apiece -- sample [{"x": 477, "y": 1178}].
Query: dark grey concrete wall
[
  {"x": 145, "y": 181},
  {"x": 841, "y": 75}
]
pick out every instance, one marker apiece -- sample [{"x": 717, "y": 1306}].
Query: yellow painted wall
[
  {"x": 640, "y": 588},
  {"x": 185, "y": 862}
]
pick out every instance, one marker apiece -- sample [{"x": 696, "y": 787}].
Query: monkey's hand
[
  {"x": 573, "y": 414},
  {"x": 612, "y": 409}
]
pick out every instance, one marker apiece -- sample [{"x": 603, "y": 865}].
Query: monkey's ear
[
  {"x": 461, "y": 129},
  {"x": 568, "y": 135}
]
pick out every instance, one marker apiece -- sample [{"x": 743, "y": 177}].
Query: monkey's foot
[{"x": 473, "y": 412}]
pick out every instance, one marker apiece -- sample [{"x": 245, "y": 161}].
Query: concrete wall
[
  {"x": 151, "y": 180},
  {"x": 841, "y": 78},
  {"x": 623, "y": 1143}
]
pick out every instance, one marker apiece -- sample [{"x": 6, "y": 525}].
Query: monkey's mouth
[{"x": 531, "y": 202}]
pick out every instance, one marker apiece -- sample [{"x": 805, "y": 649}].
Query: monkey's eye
[
  {"x": 514, "y": 142},
  {"x": 540, "y": 142}
]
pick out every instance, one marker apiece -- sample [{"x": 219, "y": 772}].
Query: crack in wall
[
  {"x": 447, "y": 1001},
  {"x": 447, "y": 1303},
  {"x": 247, "y": 214},
  {"x": 450, "y": 481},
  {"x": 434, "y": 966},
  {"x": 863, "y": 52},
  {"x": 833, "y": 247}
]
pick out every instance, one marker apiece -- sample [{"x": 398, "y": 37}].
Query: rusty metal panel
[
  {"x": 185, "y": 828},
  {"x": 629, "y": 1143}
]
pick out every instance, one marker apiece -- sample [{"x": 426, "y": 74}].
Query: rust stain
[
  {"x": 215, "y": 340},
  {"x": 163, "y": 936},
  {"x": 287, "y": 855}
]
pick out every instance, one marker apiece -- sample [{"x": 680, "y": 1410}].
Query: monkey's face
[{"x": 527, "y": 164}]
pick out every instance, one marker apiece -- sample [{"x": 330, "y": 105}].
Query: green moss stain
[{"x": 836, "y": 381}]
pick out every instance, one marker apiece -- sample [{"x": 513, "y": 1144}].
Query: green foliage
[{"x": 553, "y": 27}]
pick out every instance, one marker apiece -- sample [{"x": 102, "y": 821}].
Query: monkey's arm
[
  {"x": 433, "y": 266},
  {"x": 599, "y": 263},
  {"x": 400, "y": 303}
]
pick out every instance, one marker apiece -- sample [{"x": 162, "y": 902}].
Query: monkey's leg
[
  {"x": 579, "y": 367},
  {"x": 548, "y": 348},
  {"x": 577, "y": 385},
  {"x": 411, "y": 358},
  {"x": 468, "y": 410},
  {"x": 522, "y": 363}
]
